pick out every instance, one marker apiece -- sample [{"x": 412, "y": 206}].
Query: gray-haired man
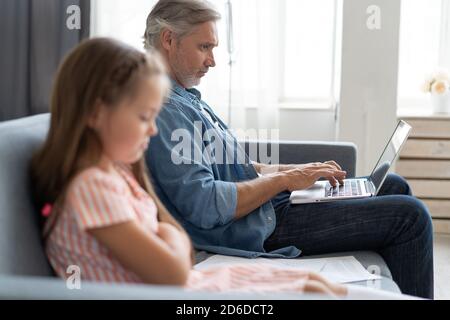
[{"x": 230, "y": 209}]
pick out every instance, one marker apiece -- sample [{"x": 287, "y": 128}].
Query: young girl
[{"x": 91, "y": 181}]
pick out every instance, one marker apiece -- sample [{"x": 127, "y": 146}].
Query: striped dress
[{"x": 98, "y": 199}]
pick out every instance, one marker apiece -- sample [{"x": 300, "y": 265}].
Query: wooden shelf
[
  {"x": 429, "y": 149},
  {"x": 425, "y": 163},
  {"x": 439, "y": 208},
  {"x": 430, "y": 189},
  {"x": 424, "y": 169}
]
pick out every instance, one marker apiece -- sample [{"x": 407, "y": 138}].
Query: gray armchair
[{"x": 24, "y": 269}]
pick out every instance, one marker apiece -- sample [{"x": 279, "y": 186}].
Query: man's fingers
[
  {"x": 325, "y": 166},
  {"x": 327, "y": 173},
  {"x": 333, "y": 181},
  {"x": 335, "y": 177},
  {"x": 340, "y": 174},
  {"x": 335, "y": 164},
  {"x": 334, "y": 167}
]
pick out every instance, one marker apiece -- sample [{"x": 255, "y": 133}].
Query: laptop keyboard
[{"x": 349, "y": 188}]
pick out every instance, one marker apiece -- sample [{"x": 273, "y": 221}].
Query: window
[
  {"x": 424, "y": 48},
  {"x": 123, "y": 20},
  {"x": 287, "y": 54},
  {"x": 309, "y": 57}
]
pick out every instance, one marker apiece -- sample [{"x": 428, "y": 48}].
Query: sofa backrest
[{"x": 21, "y": 250}]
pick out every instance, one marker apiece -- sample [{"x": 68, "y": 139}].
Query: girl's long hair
[{"x": 98, "y": 70}]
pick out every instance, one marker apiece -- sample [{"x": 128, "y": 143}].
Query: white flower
[
  {"x": 440, "y": 87},
  {"x": 437, "y": 82},
  {"x": 426, "y": 87},
  {"x": 429, "y": 79}
]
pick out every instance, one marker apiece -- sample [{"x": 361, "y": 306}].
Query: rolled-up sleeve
[{"x": 190, "y": 186}]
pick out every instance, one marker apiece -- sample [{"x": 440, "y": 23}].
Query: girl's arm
[
  {"x": 162, "y": 258},
  {"x": 177, "y": 240}
]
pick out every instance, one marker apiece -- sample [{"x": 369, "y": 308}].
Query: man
[{"x": 230, "y": 209}]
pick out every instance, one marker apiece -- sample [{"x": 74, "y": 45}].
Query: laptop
[{"x": 355, "y": 188}]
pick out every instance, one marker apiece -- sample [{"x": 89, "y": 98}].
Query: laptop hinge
[{"x": 370, "y": 188}]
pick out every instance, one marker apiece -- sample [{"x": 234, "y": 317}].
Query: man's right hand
[
  {"x": 254, "y": 193},
  {"x": 306, "y": 175}
]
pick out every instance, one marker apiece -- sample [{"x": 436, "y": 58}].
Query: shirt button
[{"x": 269, "y": 218}]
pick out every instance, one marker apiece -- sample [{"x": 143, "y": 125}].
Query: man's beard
[{"x": 189, "y": 81}]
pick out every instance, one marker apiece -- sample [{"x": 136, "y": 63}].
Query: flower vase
[{"x": 440, "y": 102}]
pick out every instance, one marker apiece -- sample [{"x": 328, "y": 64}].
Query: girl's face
[{"x": 125, "y": 129}]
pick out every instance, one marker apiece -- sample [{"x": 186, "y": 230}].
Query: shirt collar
[{"x": 190, "y": 94}]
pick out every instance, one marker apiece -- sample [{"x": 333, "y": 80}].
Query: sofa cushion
[
  {"x": 21, "y": 251},
  {"x": 370, "y": 260}
]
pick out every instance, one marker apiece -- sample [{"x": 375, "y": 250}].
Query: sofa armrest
[
  {"x": 297, "y": 152},
  {"x": 46, "y": 288}
]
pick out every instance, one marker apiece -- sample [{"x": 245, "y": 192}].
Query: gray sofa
[{"x": 24, "y": 269}]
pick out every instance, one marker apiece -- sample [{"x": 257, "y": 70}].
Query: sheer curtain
[
  {"x": 286, "y": 55},
  {"x": 34, "y": 40},
  {"x": 255, "y": 64},
  {"x": 255, "y": 59}
]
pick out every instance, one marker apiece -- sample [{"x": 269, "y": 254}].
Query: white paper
[
  {"x": 346, "y": 270},
  {"x": 337, "y": 269},
  {"x": 366, "y": 293}
]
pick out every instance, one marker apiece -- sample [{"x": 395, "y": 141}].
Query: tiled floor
[{"x": 442, "y": 266}]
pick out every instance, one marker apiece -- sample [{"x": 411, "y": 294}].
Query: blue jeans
[{"x": 395, "y": 224}]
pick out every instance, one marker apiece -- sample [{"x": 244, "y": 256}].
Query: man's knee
[
  {"x": 417, "y": 214},
  {"x": 396, "y": 184}
]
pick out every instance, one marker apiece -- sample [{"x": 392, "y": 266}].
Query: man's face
[{"x": 191, "y": 57}]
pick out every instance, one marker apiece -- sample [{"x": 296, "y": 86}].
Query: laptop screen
[{"x": 389, "y": 155}]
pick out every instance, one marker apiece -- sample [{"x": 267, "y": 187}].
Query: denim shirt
[{"x": 201, "y": 192}]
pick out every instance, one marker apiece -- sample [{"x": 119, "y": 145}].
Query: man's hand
[
  {"x": 304, "y": 176},
  {"x": 335, "y": 165},
  {"x": 275, "y": 179},
  {"x": 269, "y": 169}
]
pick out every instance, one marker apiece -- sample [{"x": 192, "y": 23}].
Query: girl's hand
[
  {"x": 318, "y": 284},
  {"x": 172, "y": 236},
  {"x": 167, "y": 231}
]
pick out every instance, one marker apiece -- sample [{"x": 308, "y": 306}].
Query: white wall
[{"x": 368, "y": 100}]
